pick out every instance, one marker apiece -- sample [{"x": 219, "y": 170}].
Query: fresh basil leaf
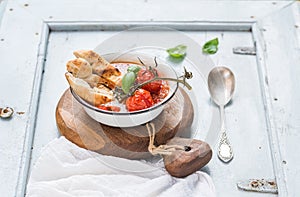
[
  {"x": 134, "y": 68},
  {"x": 211, "y": 47},
  {"x": 178, "y": 51},
  {"x": 127, "y": 81}
]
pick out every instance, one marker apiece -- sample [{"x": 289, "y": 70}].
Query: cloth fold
[{"x": 64, "y": 170}]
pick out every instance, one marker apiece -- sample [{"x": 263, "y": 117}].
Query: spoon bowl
[{"x": 221, "y": 85}]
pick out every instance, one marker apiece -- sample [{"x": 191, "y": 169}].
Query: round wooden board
[{"x": 79, "y": 128}]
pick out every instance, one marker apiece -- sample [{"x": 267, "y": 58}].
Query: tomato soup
[{"x": 145, "y": 96}]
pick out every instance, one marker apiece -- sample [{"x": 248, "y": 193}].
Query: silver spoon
[{"x": 221, "y": 85}]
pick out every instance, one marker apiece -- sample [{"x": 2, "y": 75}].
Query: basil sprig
[
  {"x": 129, "y": 78},
  {"x": 127, "y": 81},
  {"x": 134, "y": 68},
  {"x": 178, "y": 51},
  {"x": 211, "y": 47}
]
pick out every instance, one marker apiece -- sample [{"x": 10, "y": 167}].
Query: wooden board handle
[{"x": 182, "y": 163}]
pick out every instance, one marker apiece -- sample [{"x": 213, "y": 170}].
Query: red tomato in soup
[
  {"x": 109, "y": 108},
  {"x": 141, "y": 99},
  {"x": 163, "y": 92},
  {"x": 146, "y": 75}
]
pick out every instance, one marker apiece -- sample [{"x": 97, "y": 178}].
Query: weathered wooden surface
[
  {"x": 248, "y": 135},
  {"x": 281, "y": 56},
  {"x": 79, "y": 128},
  {"x": 155, "y": 10},
  {"x": 182, "y": 163},
  {"x": 26, "y": 38}
]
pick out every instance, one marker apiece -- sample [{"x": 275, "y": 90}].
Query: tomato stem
[
  {"x": 161, "y": 78},
  {"x": 121, "y": 95}
]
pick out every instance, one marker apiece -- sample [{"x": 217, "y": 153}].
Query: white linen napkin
[{"x": 65, "y": 170}]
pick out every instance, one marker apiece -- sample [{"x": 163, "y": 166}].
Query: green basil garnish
[
  {"x": 134, "y": 68},
  {"x": 211, "y": 47},
  {"x": 127, "y": 81},
  {"x": 178, "y": 51}
]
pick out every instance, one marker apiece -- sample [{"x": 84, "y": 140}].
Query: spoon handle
[{"x": 225, "y": 152}]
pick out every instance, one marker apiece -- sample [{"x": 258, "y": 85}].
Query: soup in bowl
[{"x": 121, "y": 90}]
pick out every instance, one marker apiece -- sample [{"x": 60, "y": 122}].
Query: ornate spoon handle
[{"x": 225, "y": 152}]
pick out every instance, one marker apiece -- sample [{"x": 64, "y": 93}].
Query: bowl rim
[{"x": 155, "y": 106}]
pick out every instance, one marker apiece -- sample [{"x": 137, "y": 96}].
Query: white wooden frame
[{"x": 24, "y": 32}]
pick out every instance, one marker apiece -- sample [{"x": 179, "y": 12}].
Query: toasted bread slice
[
  {"x": 94, "y": 96},
  {"x": 79, "y": 67},
  {"x": 94, "y": 80},
  {"x": 91, "y": 56},
  {"x": 101, "y": 89},
  {"x": 101, "y": 67}
]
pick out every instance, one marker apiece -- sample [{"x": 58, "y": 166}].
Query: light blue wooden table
[{"x": 38, "y": 37}]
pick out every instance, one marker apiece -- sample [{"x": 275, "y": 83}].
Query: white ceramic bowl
[{"x": 135, "y": 118}]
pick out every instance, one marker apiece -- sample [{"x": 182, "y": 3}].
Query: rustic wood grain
[
  {"x": 182, "y": 163},
  {"x": 79, "y": 128}
]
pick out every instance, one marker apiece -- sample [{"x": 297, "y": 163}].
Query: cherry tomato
[
  {"x": 109, "y": 108},
  {"x": 140, "y": 100},
  {"x": 145, "y": 75},
  {"x": 163, "y": 92}
]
